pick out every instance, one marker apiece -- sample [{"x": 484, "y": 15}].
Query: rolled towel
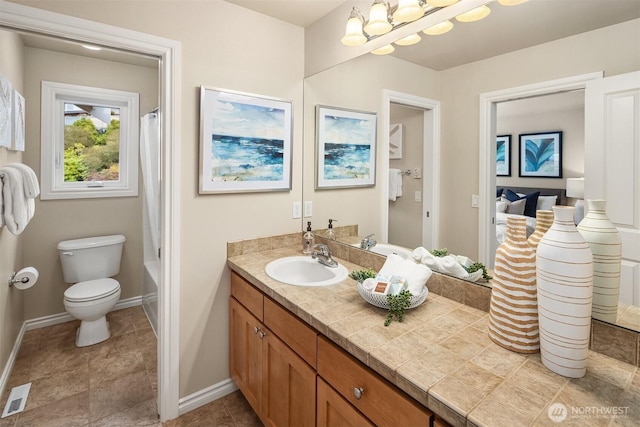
[
  {"x": 393, "y": 266},
  {"x": 418, "y": 253},
  {"x": 451, "y": 266},
  {"x": 432, "y": 261},
  {"x": 29, "y": 179}
]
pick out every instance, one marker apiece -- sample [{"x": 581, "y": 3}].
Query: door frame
[
  {"x": 38, "y": 21},
  {"x": 431, "y": 157},
  {"x": 487, "y": 155}
]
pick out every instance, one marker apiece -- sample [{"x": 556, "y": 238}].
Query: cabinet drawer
[
  {"x": 298, "y": 335},
  {"x": 247, "y": 295},
  {"x": 333, "y": 410},
  {"x": 380, "y": 401}
]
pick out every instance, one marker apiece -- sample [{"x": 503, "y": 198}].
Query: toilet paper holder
[{"x": 12, "y": 279}]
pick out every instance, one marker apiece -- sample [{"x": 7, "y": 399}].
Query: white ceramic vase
[
  {"x": 564, "y": 272},
  {"x": 513, "y": 310},
  {"x": 604, "y": 240}
]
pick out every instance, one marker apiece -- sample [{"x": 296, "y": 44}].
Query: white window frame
[{"x": 53, "y": 186}]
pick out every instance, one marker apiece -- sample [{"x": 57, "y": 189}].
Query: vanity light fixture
[{"x": 383, "y": 19}]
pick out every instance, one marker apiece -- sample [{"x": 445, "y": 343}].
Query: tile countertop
[{"x": 441, "y": 355}]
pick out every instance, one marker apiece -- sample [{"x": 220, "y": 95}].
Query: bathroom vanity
[{"x": 322, "y": 356}]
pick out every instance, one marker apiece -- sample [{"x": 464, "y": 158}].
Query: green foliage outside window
[{"x": 90, "y": 155}]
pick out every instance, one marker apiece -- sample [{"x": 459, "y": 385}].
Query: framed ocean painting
[
  {"x": 503, "y": 155},
  {"x": 541, "y": 155},
  {"x": 345, "y": 148},
  {"x": 245, "y": 142}
]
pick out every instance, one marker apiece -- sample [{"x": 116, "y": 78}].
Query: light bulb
[
  {"x": 353, "y": 34},
  {"x": 474, "y": 14},
  {"x": 441, "y": 28},
  {"x": 378, "y": 19},
  {"x": 384, "y": 50},
  {"x": 409, "y": 40},
  {"x": 407, "y": 11}
]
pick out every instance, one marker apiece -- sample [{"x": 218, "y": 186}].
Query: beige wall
[
  {"x": 405, "y": 214},
  {"x": 11, "y": 299},
  {"x": 228, "y": 47},
  {"x": 569, "y": 121},
  {"x": 58, "y": 220},
  {"x": 358, "y": 85},
  {"x": 460, "y": 91}
]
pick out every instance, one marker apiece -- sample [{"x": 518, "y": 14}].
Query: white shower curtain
[{"x": 150, "y": 161}]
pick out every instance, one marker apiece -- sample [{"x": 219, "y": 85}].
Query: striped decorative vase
[
  {"x": 564, "y": 269},
  {"x": 513, "y": 311},
  {"x": 604, "y": 240},
  {"x": 544, "y": 219}
]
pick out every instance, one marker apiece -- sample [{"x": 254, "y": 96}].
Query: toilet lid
[{"x": 92, "y": 289}]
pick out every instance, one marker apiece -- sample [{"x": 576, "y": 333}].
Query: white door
[{"x": 612, "y": 165}]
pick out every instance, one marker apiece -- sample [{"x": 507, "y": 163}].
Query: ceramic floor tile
[
  {"x": 213, "y": 414},
  {"x": 120, "y": 394},
  {"x": 57, "y": 386},
  {"x": 68, "y": 412},
  {"x": 144, "y": 414},
  {"x": 104, "y": 369},
  {"x": 240, "y": 410}
]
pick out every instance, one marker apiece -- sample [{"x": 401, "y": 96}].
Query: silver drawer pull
[
  {"x": 358, "y": 392},
  {"x": 256, "y": 329},
  {"x": 262, "y": 334}
]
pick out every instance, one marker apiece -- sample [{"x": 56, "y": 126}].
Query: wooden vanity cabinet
[
  {"x": 379, "y": 400},
  {"x": 333, "y": 410},
  {"x": 278, "y": 384}
]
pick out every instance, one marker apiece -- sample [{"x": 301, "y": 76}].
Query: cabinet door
[
  {"x": 289, "y": 386},
  {"x": 245, "y": 353},
  {"x": 333, "y": 410}
]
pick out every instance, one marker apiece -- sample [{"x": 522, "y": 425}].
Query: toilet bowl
[
  {"x": 89, "y": 302},
  {"x": 89, "y": 263}
]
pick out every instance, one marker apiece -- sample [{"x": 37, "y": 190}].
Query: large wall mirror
[{"x": 365, "y": 84}]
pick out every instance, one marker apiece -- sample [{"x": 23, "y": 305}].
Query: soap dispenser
[
  {"x": 308, "y": 240},
  {"x": 331, "y": 235}
]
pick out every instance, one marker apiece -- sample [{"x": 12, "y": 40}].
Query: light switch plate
[
  {"x": 296, "y": 210},
  {"x": 308, "y": 208}
]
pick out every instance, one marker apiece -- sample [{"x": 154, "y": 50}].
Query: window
[{"x": 89, "y": 142}]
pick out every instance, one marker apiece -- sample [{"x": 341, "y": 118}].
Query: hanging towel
[
  {"x": 395, "y": 184},
  {"x": 18, "y": 209},
  {"x": 29, "y": 178}
]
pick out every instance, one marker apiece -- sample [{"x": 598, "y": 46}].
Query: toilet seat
[{"x": 92, "y": 290}]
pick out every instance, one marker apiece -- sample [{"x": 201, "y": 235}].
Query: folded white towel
[
  {"x": 29, "y": 178},
  {"x": 395, "y": 184},
  {"x": 416, "y": 274},
  {"x": 451, "y": 266},
  {"x": 418, "y": 253},
  {"x": 18, "y": 209}
]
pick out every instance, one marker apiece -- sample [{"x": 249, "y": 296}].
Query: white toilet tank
[{"x": 91, "y": 258}]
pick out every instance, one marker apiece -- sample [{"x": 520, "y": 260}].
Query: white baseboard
[
  {"x": 206, "y": 395},
  {"x": 6, "y": 373},
  {"x": 55, "y": 319}
]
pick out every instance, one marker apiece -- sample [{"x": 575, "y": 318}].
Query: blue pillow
[
  {"x": 529, "y": 205},
  {"x": 499, "y": 192}
]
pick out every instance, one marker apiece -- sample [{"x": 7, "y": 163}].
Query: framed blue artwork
[
  {"x": 541, "y": 155},
  {"x": 245, "y": 142},
  {"x": 503, "y": 155},
  {"x": 345, "y": 148}
]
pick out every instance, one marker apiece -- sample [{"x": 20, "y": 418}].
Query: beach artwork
[
  {"x": 346, "y": 143},
  {"x": 246, "y": 143}
]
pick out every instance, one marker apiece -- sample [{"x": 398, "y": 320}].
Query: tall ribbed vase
[
  {"x": 544, "y": 219},
  {"x": 564, "y": 269},
  {"x": 513, "y": 311},
  {"x": 604, "y": 240}
]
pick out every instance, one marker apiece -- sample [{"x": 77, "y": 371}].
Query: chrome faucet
[
  {"x": 323, "y": 255},
  {"x": 367, "y": 242}
]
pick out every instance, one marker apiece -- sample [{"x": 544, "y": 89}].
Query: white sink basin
[
  {"x": 387, "y": 249},
  {"x": 305, "y": 271}
]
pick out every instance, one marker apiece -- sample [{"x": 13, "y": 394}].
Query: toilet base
[{"x": 92, "y": 332}]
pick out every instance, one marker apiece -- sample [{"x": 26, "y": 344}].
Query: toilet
[{"x": 89, "y": 264}]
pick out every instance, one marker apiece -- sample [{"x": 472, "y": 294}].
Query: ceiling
[{"x": 506, "y": 29}]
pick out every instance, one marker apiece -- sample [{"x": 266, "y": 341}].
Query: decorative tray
[{"x": 381, "y": 300}]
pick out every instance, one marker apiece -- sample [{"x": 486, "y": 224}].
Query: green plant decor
[
  {"x": 439, "y": 252},
  {"x": 362, "y": 275},
  {"x": 397, "y": 305},
  {"x": 479, "y": 266}
]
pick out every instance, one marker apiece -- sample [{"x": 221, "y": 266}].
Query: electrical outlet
[
  {"x": 417, "y": 197},
  {"x": 308, "y": 208},
  {"x": 416, "y": 173},
  {"x": 297, "y": 210},
  {"x": 474, "y": 201}
]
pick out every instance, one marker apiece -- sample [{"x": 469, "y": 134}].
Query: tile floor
[{"x": 112, "y": 384}]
